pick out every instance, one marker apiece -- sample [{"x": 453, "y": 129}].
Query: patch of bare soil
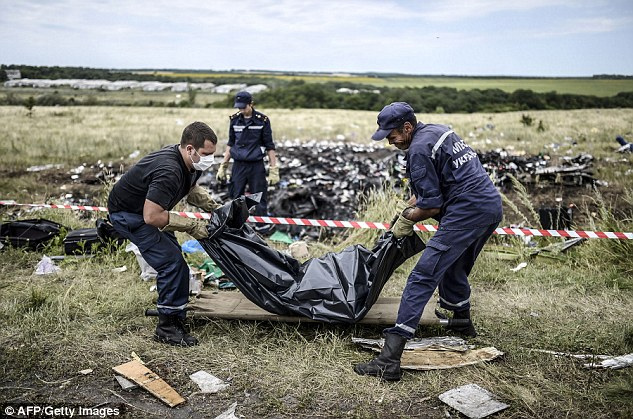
[{"x": 104, "y": 397}]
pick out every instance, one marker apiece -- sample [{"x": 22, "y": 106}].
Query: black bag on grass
[
  {"x": 82, "y": 241},
  {"x": 32, "y": 233}
]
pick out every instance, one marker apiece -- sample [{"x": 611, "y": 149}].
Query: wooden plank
[
  {"x": 234, "y": 305},
  {"x": 146, "y": 378}
]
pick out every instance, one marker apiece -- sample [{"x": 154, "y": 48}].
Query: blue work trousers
[
  {"x": 445, "y": 264},
  {"x": 253, "y": 174},
  {"x": 163, "y": 253}
]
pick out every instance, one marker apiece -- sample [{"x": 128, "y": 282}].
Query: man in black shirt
[{"x": 139, "y": 206}]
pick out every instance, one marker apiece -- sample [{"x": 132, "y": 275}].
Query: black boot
[
  {"x": 387, "y": 364},
  {"x": 467, "y": 330},
  {"x": 171, "y": 330}
]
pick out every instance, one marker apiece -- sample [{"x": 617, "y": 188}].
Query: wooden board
[
  {"x": 234, "y": 305},
  {"x": 146, "y": 378}
]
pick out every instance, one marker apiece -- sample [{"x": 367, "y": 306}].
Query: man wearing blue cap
[
  {"x": 249, "y": 135},
  {"x": 450, "y": 185}
]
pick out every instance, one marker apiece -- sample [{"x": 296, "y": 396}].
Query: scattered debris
[
  {"x": 146, "y": 378},
  {"x": 614, "y": 363},
  {"x": 436, "y": 353},
  {"x": 625, "y": 146},
  {"x": 120, "y": 269},
  {"x": 195, "y": 280},
  {"x": 229, "y": 413},
  {"x": 473, "y": 401},
  {"x": 299, "y": 250},
  {"x": 46, "y": 266},
  {"x": 192, "y": 246},
  {"x": 280, "y": 237},
  {"x": 519, "y": 267},
  {"x": 208, "y": 383},
  {"x": 44, "y": 167},
  {"x": 147, "y": 272},
  {"x": 125, "y": 383},
  {"x": 437, "y": 343}
]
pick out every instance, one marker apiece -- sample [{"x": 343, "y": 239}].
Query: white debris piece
[
  {"x": 519, "y": 267},
  {"x": 208, "y": 383},
  {"x": 147, "y": 272},
  {"x": 229, "y": 413},
  {"x": 46, "y": 266},
  {"x": 614, "y": 363},
  {"x": 473, "y": 401}
]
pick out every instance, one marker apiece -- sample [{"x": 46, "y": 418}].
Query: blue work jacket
[
  {"x": 445, "y": 173},
  {"x": 250, "y": 137}
]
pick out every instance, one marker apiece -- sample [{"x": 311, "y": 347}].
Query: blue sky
[{"x": 451, "y": 37}]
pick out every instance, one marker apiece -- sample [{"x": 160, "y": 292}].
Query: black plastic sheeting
[{"x": 335, "y": 288}]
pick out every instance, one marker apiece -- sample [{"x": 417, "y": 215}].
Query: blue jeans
[
  {"x": 163, "y": 253},
  {"x": 445, "y": 263}
]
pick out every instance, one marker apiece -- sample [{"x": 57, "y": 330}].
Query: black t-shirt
[{"x": 161, "y": 177}]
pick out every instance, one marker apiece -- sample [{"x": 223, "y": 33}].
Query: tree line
[{"x": 301, "y": 94}]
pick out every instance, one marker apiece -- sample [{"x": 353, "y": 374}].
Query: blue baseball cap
[
  {"x": 242, "y": 99},
  {"x": 392, "y": 116}
]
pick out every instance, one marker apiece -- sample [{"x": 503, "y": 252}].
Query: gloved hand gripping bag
[{"x": 334, "y": 288}]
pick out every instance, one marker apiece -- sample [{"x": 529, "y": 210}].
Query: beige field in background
[{"x": 76, "y": 134}]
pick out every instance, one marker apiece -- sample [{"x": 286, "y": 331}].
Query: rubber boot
[
  {"x": 387, "y": 364},
  {"x": 467, "y": 330},
  {"x": 171, "y": 330}
]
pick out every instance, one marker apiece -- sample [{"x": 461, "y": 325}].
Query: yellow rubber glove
[
  {"x": 195, "y": 228},
  {"x": 402, "y": 227},
  {"x": 199, "y": 197},
  {"x": 273, "y": 175},
  {"x": 221, "y": 175}
]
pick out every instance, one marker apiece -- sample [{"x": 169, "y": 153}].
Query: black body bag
[{"x": 335, "y": 288}]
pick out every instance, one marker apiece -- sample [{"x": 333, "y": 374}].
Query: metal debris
[
  {"x": 473, "y": 401},
  {"x": 208, "y": 383}
]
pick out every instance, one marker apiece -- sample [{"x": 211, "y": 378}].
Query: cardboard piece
[
  {"x": 150, "y": 381},
  {"x": 473, "y": 401}
]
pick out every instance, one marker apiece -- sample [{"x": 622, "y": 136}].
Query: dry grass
[{"x": 89, "y": 317}]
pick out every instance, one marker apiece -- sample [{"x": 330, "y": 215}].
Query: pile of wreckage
[{"x": 324, "y": 180}]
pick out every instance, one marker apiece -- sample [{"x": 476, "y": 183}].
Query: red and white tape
[{"x": 362, "y": 224}]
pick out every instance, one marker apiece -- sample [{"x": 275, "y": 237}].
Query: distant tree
[{"x": 28, "y": 104}]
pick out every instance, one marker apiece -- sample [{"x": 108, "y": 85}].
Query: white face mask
[{"x": 204, "y": 163}]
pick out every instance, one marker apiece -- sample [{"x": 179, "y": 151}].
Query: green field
[{"x": 578, "y": 86}]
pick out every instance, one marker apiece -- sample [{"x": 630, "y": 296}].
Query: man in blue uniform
[
  {"x": 139, "y": 206},
  {"x": 450, "y": 185},
  {"x": 250, "y": 135}
]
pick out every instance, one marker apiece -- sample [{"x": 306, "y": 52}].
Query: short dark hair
[
  {"x": 196, "y": 134},
  {"x": 413, "y": 121}
]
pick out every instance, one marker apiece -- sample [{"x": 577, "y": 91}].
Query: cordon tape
[{"x": 361, "y": 224}]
